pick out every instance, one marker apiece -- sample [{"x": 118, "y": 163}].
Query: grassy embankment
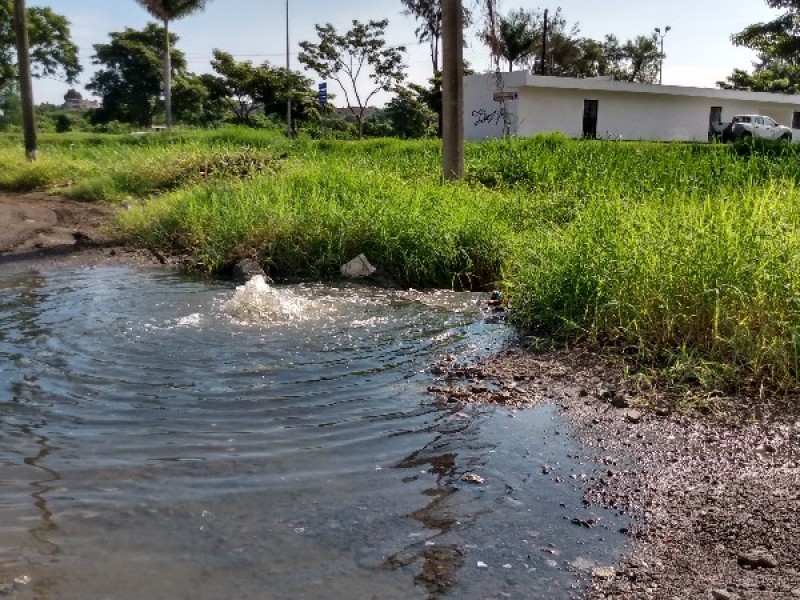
[{"x": 687, "y": 254}]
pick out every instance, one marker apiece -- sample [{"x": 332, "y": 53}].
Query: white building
[{"x": 604, "y": 108}]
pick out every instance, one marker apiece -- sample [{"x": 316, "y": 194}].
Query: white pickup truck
[{"x": 756, "y": 126}]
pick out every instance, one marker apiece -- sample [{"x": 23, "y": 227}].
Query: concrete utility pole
[
  {"x": 289, "y": 91},
  {"x": 25, "y": 82},
  {"x": 661, "y": 37},
  {"x": 452, "y": 89},
  {"x": 544, "y": 44}
]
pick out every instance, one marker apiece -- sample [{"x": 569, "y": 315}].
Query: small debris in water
[
  {"x": 472, "y": 478},
  {"x": 482, "y": 565}
]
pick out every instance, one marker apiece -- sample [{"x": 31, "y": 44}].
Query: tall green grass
[
  {"x": 687, "y": 253},
  {"x": 308, "y": 220}
]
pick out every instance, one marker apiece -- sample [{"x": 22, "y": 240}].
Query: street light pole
[
  {"x": 288, "y": 78},
  {"x": 661, "y": 37}
]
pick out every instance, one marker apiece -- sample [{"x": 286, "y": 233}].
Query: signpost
[{"x": 322, "y": 95}]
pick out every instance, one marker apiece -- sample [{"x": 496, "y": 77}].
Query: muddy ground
[
  {"x": 38, "y": 230},
  {"x": 716, "y": 496}
]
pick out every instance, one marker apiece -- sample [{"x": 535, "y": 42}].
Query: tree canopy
[
  {"x": 129, "y": 80},
  {"x": 519, "y": 36},
  {"x": 777, "y": 47},
  {"x": 51, "y": 48},
  {"x": 345, "y": 57},
  {"x": 263, "y": 88}
]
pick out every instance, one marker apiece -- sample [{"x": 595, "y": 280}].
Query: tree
[
  {"x": 237, "y": 79},
  {"x": 170, "y": 10},
  {"x": 73, "y": 95},
  {"x": 130, "y": 81},
  {"x": 429, "y": 13},
  {"x": 345, "y": 57},
  {"x": 263, "y": 88},
  {"x": 777, "y": 47},
  {"x": 642, "y": 57},
  {"x": 51, "y": 49},
  {"x": 516, "y": 36},
  {"x": 25, "y": 85},
  {"x": 409, "y": 116},
  {"x": 10, "y": 108}
]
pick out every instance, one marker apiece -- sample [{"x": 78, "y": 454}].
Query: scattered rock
[
  {"x": 723, "y": 595},
  {"x": 633, "y": 416},
  {"x": 604, "y": 573},
  {"x": 247, "y": 268},
  {"x": 620, "y": 402},
  {"x": 358, "y": 268},
  {"x": 757, "y": 559}
]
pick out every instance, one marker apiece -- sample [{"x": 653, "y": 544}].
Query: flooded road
[{"x": 167, "y": 438}]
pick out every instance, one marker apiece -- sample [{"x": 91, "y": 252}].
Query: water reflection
[
  {"x": 42, "y": 532},
  {"x": 152, "y": 445}
]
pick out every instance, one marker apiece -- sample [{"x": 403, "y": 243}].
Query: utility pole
[
  {"x": 25, "y": 82},
  {"x": 452, "y": 89},
  {"x": 288, "y": 79},
  {"x": 661, "y": 37},
  {"x": 544, "y": 45}
]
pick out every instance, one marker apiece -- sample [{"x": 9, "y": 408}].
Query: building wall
[
  {"x": 482, "y": 116},
  {"x": 621, "y": 115}
]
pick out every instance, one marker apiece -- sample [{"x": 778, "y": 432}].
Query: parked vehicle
[{"x": 744, "y": 126}]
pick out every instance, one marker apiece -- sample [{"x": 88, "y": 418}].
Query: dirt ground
[
  {"x": 38, "y": 229},
  {"x": 716, "y": 499}
]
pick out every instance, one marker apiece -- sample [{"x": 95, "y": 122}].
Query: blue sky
[{"x": 698, "y": 46}]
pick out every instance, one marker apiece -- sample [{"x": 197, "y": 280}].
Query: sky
[{"x": 697, "y": 47}]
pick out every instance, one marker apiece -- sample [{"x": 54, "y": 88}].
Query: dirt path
[{"x": 39, "y": 229}]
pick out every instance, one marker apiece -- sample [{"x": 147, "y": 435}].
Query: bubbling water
[{"x": 257, "y": 302}]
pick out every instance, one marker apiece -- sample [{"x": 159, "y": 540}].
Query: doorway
[{"x": 590, "y": 118}]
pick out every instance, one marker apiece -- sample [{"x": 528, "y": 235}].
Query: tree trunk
[
  {"x": 452, "y": 89},
  {"x": 25, "y": 82},
  {"x": 167, "y": 78}
]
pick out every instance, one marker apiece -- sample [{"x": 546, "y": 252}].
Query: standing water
[{"x": 167, "y": 438}]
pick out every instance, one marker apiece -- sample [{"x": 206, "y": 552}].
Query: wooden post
[
  {"x": 25, "y": 82},
  {"x": 452, "y": 89}
]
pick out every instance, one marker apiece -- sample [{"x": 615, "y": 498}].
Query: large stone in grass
[
  {"x": 246, "y": 269},
  {"x": 358, "y": 268}
]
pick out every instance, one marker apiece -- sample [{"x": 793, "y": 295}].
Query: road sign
[
  {"x": 322, "y": 96},
  {"x": 502, "y": 95}
]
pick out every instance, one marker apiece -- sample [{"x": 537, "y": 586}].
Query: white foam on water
[
  {"x": 193, "y": 320},
  {"x": 257, "y": 302}
]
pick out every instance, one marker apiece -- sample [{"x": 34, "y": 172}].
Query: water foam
[{"x": 257, "y": 302}]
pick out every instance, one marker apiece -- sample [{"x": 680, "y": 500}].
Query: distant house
[
  {"x": 79, "y": 104},
  {"x": 604, "y": 108},
  {"x": 347, "y": 113}
]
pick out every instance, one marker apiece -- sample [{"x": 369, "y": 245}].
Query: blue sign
[{"x": 322, "y": 96}]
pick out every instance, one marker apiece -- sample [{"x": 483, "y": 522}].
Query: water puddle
[{"x": 163, "y": 437}]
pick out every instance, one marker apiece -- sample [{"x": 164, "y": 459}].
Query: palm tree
[
  {"x": 170, "y": 10},
  {"x": 516, "y": 37}
]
